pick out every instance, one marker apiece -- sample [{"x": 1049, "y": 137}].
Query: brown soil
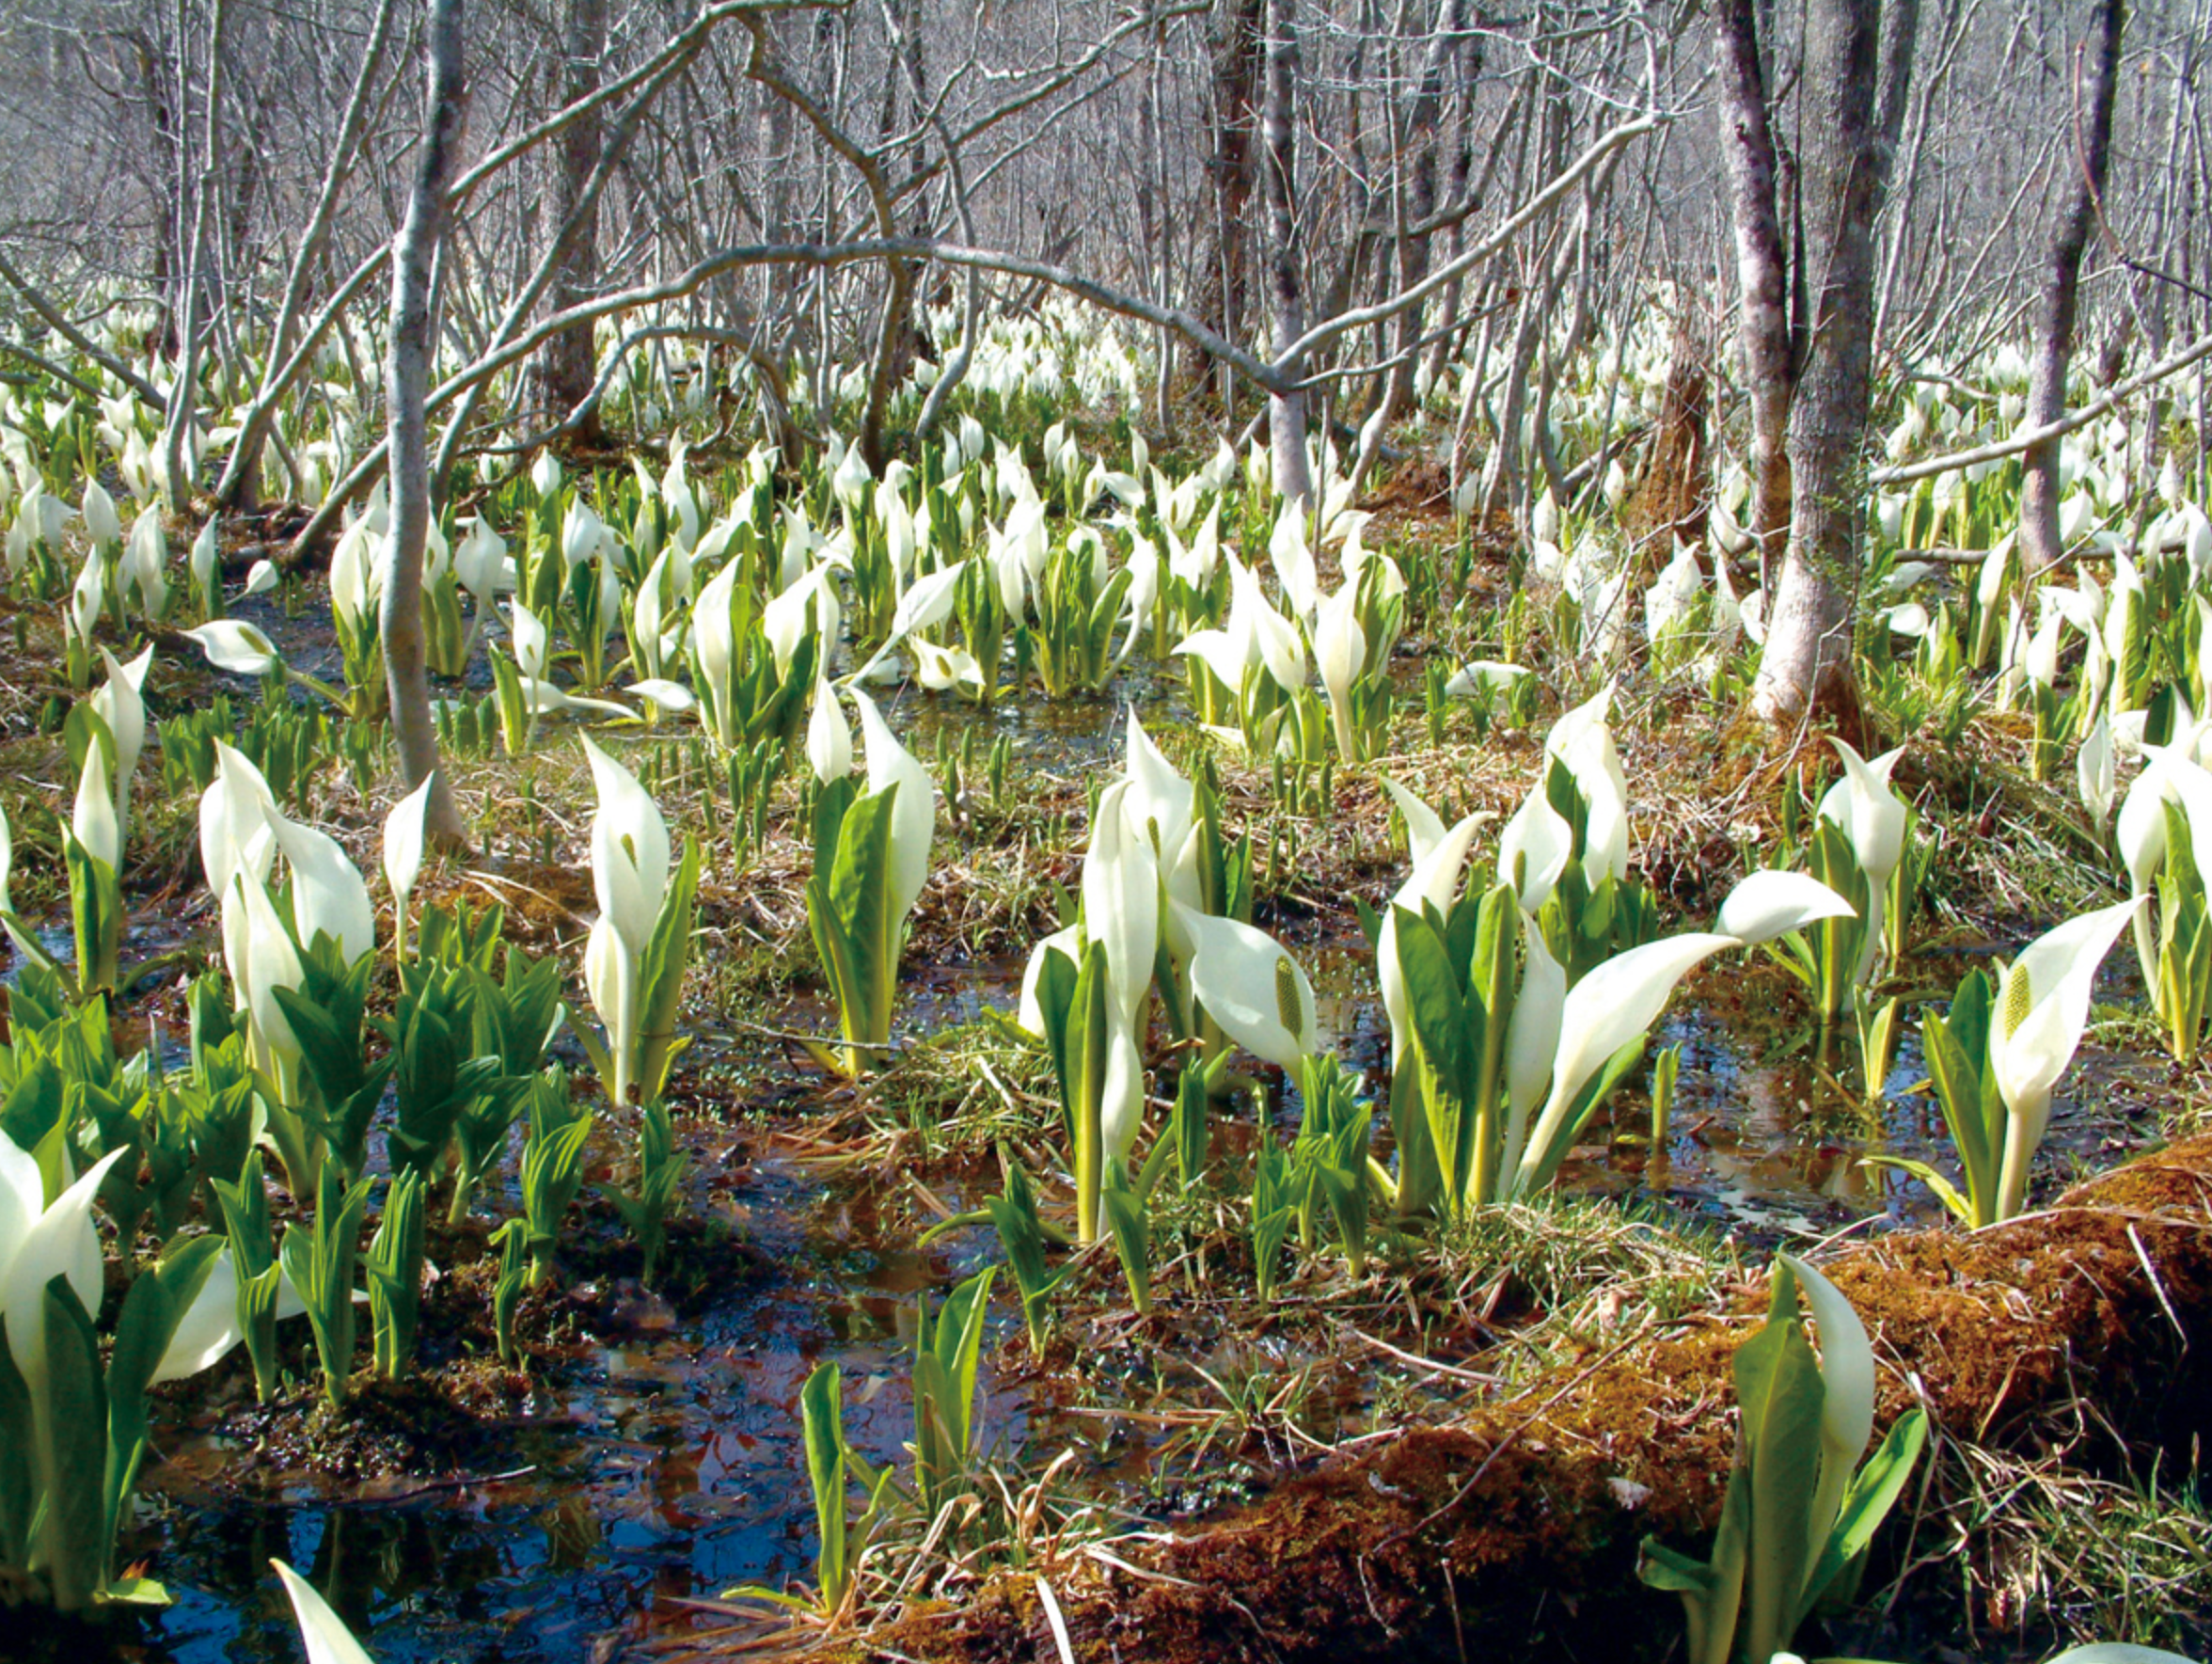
[{"x": 1516, "y": 1528}]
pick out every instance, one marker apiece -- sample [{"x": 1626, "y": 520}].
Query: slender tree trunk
[
  {"x": 1414, "y": 205},
  {"x": 567, "y": 367},
  {"x": 1763, "y": 319},
  {"x": 896, "y": 339},
  {"x": 1165, "y": 370},
  {"x": 1807, "y": 665},
  {"x": 237, "y": 485},
  {"x": 1462, "y": 170},
  {"x": 1285, "y": 293},
  {"x": 2091, "y": 113},
  {"x": 407, "y": 382},
  {"x": 183, "y": 396}
]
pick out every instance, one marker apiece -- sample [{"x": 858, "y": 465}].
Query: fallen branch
[{"x": 1998, "y": 450}]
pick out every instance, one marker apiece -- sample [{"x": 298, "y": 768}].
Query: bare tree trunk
[
  {"x": 1414, "y": 208},
  {"x": 1808, "y": 661},
  {"x": 1762, "y": 325},
  {"x": 1223, "y": 299},
  {"x": 183, "y": 396},
  {"x": 1471, "y": 58},
  {"x": 2098, "y": 70},
  {"x": 1285, "y": 293},
  {"x": 237, "y": 483},
  {"x": 896, "y": 339},
  {"x": 407, "y": 382},
  {"x": 568, "y": 368},
  {"x": 1424, "y": 124}
]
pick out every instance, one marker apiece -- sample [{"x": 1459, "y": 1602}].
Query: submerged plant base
[{"x": 1514, "y": 1531}]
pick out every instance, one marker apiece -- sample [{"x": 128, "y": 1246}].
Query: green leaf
[
  {"x": 19, "y": 1488},
  {"x": 73, "y": 1533},
  {"x": 1126, "y": 1223},
  {"x": 1493, "y": 982},
  {"x": 1873, "y": 1492},
  {"x": 1089, "y": 1043},
  {"x": 660, "y": 975},
  {"x": 960, "y": 1346},
  {"x": 318, "y": 1260},
  {"x": 851, "y": 918},
  {"x": 1440, "y": 1019},
  {"x": 1957, "y": 1077},
  {"x": 135, "y": 1592},
  {"x": 1020, "y": 1232},
  {"x": 1944, "y": 1191},
  {"x": 1779, "y": 1393},
  {"x": 158, "y": 1300},
  {"x": 822, "y": 1410},
  {"x": 1661, "y": 1567},
  {"x": 395, "y": 1272}
]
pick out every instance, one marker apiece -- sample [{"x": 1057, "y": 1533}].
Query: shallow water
[
  {"x": 666, "y": 1466},
  {"x": 672, "y": 1470}
]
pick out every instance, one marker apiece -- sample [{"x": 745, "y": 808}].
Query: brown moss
[{"x": 1518, "y": 1527}]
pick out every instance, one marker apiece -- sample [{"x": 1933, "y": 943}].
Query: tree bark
[
  {"x": 1424, "y": 138},
  {"x": 1762, "y": 318},
  {"x": 406, "y": 388},
  {"x": 185, "y": 391},
  {"x": 1807, "y": 662},
  {"x": 2086, "y": 161},
  {"x": 1223, "y": 299},
  {"x": 897, "y": 340},
  {"x": 567, "y": 368},
  {"x": 1285, "y": 291}
]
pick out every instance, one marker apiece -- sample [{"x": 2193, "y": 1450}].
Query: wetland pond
[
  {"x": 600, "y": 1507},
  {"x": 655, "y": 1460}
]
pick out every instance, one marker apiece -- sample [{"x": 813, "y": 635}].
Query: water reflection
[{"x": 678, "y": 1471}]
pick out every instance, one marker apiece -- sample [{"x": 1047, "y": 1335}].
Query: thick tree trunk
[
  {"x": 1225, "y": 288},
  {"x": 1424, "y": 139},
  {"x": 2040, "y": 543},
  {"x": 407, "y": 382},
  {"x": 1285, "y": 291},
  {"x": 898, "y": 342},
  {"x": 1808, "y": 664},
  {"x": 1763, "y": 319},
  {"x": 567, "y": 365}
]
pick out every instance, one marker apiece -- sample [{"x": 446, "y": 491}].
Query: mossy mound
[{"x": 1515, "y": 1529}]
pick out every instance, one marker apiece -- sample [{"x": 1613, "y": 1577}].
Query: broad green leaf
[
  {"x": 73, "y": 1533},
  {"x": 1779, "y": 1394},
  {"x": 1868, "y": 1502},
  {"x": 661, "y": 974},
  {"x": 19, "y": 1490}
]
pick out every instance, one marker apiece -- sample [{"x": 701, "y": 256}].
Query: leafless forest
[
  {"x": 1392, "y": 538},
  {"x": 1269, "y": 196}
]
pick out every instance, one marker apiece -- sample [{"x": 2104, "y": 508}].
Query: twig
[
  {"x": 1482, "y": 1471},
  {"x": 2157, "y": 1286},
  {"x": 465, "y": 1482}
]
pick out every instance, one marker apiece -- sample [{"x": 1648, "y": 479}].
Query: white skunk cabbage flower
[{"x": 1259, "y": 995}]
